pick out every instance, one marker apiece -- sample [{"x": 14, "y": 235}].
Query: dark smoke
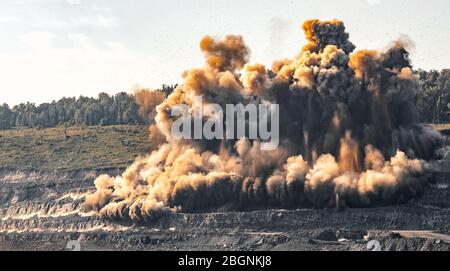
[{"x": 348, "y": 134}]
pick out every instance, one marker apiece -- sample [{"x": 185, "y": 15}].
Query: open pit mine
[{"x": 352, "y": 164}]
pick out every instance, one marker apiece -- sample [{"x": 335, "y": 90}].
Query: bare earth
[{"x": 41, "y": 211}]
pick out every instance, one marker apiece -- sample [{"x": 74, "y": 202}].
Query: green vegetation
[
  {"x": 433, "y": 106},
  {"x": 433, "y": 102},
  {"x": 67, "y": 149},
  {"x": 103, "y": 110},
  {"x": 82, "y": 138}
]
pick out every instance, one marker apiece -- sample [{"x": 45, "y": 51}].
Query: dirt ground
[{"x": 41, "y": 211}]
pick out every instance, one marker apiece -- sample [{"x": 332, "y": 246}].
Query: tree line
[
  {"x": 106, "y": 109},
  {"x": 433, "y": 101},
  {"x": 433, "y": 106}
]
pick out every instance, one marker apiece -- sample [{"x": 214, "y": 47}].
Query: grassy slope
[
  {"x": 78, "y": 148},
  {"x": 81, "y": 148}
]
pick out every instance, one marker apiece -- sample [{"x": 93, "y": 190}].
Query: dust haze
[{"x": 348, "y": 133}]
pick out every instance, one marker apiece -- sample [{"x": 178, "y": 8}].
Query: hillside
[
  {"x": 43, "y": 210},
  {"x": 75, "y": 148}
]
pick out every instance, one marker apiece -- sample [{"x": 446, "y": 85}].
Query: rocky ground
[{"x": 41, "y": 211}]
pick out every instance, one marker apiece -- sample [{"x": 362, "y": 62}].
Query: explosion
[{"x": 348, "y": 134}]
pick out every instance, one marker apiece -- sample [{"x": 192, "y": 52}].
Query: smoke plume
[{"x": 348, "y": 134}]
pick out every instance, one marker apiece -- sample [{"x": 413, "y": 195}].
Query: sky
[{"x": 55, "y": 48}]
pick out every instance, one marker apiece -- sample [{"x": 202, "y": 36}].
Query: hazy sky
[{"x": 55, "y": 48}]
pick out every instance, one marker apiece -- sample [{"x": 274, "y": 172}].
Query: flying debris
[{"x": 348, "y": 134}]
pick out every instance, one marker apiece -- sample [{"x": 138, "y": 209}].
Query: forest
[
  {"x": 106, "y": 109},
  {"x": 433, "y": 106}
]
